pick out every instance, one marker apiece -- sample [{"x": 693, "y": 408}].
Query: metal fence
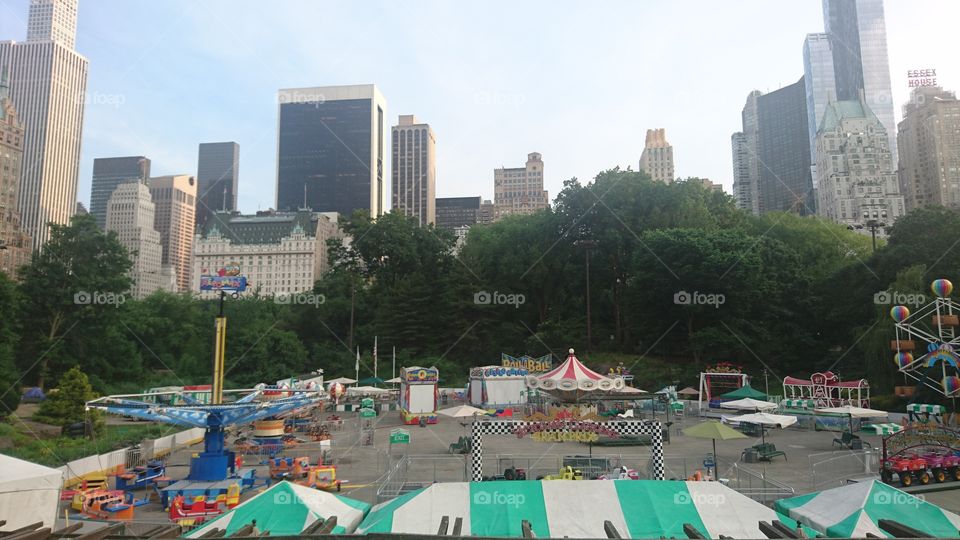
[
  {"x": 757, "y": 485},
  {"x": 413, "y": 472},
  {"x": 832, "y": 469}
]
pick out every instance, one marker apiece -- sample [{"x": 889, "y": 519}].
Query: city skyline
[{"x": 131, "y": 110}]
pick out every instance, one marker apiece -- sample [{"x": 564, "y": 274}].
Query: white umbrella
[
  {"x": 748, "y": 404},
  {"x": 395, "y": 380},
  {"x": 853, "y": 412},
  {"x": 462, "y": 411},
  {"x": 765, "y": 419},
  {"x": 366, "y": 390},
  {"x": 628, "y": 390},
  {"x": 342, "y": 380}
]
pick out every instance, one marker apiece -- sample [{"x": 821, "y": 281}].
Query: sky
[{"x": 579, "y": 82}]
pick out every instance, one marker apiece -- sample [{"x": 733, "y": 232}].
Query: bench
[
  {"x": 768, "y": 451},
  {"x": 851, "y": 441},
  {"x": 462, "y": 446}
]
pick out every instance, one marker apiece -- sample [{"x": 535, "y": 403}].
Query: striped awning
[
  {"x": 799, "y": 403},
  {"x": 884, "y": 429},
  {"x": 926, "y": 408}
]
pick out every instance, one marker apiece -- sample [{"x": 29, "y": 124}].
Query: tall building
[
  {"x": 130, "y": 214},
  {"x": 108, "y": 173},
  {"x": 928, "y": 139},
  {"x": 453, "y": 212},
  {"x": 858, "y": 183},
  {"x": 520, "y": 190},
  {"x": 218, "y": 176},
  {"x": 746, "y": 158},
  {"x": 783, "y": 151},
  {"x": 175, "y": 198},
  {"x": 278, "y": 252},
  {"x": 657, "y": 157},
  {"x": 414, "y": 185},
  {"x": 48, "y": 81},
  {"x": 330, "y": 149},
  {"x": 488, "y": 212},
  {"x": 858, "y": 37},
  {"x": 14, "y": 243},
  {"x": 820, "y": 87}
]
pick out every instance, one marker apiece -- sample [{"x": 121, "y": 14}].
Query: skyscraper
[
  {"x": 218, "y": 174},
  {"x": 130, "y": 213},
  {"x": 48, "y": 80},
  {"x": 14, "y": 243},
  {"x": 657, "y": 157},
  {"x": 175, "y": 200},
  {"x": 858, "y": 40},
  {"x": 928, "y": 140},
  {"x": 819, "y": 85},
  {"x": 453, "y": 212},
  {"x": 783, "y": 151},
  {"x": 520, "y": 190},
  {"x": 330, "y": 149},
  {"x": 746, "y": 158},
  {"x": 108, "y": 173},
  {"x": 858, "y": 184},
  {"x": 414, "y": 170}
]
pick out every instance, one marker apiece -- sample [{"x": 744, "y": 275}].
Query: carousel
[{"x": 571, "y": 381}]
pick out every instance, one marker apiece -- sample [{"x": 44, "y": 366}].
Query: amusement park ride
[{"x": 935, "y": 327}]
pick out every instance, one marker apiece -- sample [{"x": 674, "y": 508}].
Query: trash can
[{"x": 750, "y": 455}]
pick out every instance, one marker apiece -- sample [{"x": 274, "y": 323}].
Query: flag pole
[{"x": 356, "y": 367}]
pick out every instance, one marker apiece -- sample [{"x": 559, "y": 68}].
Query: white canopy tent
[
  {"x": 341, "y": 380},
  {"x": 28, "y": 493},
  {"x": 366, "y": 390},
  {"x": 853, "y": 412},
  {"x": 749, "y": 404}
]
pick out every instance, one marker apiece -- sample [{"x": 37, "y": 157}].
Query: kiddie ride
[
  {"x": 921, "y": 453},
  {"x": 621, "y": 473},
  {"x": 104, "y": 504},
  {"x": 567, "y": 472},
  {"x": 215, "y": 464},
  {"x": 193, "y": 513},
  {"x": 299, "y": 471},
  {"x": 142, "y": 476}
]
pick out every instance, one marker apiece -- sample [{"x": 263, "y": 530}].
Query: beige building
[
  {"x": 928, "y": 140},
  {"x": 130, "y": 214},
  {"x": 48, "y": 88},
  {"x": 520, "y": 190},
  {"x": 414, "y": 180},
  {"x": 175, "y": 198},
  {"x": 487, "y": 213},
  {"x": 14, "y": 243},
  {"x": 657, "y": 157},
  {"x": 278, "y": 252},
  {"x": 855, "y": 173}
]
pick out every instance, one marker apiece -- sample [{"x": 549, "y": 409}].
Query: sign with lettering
[
  {"x": 565, "y": 430},
  {"x": 223, "y": 283},
  {"x": 921, "y": 77},
  {"x": 533, "y": 365}
]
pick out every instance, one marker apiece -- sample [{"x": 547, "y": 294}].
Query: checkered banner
[
  {"x": 799, "y": 403},
  {"x": 652, "y": 428}
]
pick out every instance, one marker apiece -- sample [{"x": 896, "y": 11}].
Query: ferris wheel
[{"x": 934, "y": 333}]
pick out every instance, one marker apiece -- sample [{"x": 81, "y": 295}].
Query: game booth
[
  {"x": 720, "y": 379},
  {"x": 496, "y": 386},
  {"x": 418, "y": 394},
  {"x": 809, "y": 400}
]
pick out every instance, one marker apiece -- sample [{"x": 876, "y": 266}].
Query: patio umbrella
[
  {"x": 766, "y": 419},
  {"x": 461, "y": 411},
  {"x": 395, "y": 380},
  {"x": 853, "y": 412},
  {"x": 749, "y": 404},
  {"x": 342, "y": 380},
  {"x": 688, "y": 391},
  {"x": 371, "y": 390},
  {"x": 713, "y": 430}
]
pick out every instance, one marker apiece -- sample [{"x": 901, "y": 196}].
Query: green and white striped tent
[
  {"x": 884, "y": 429},
  {"x": 286, "y": 509},
  {"x": 853, "y": 511},
  {"x": 575, "y": 509},
  {"x": 798, "y": 403},
  {"x": 926, "y": 408}
]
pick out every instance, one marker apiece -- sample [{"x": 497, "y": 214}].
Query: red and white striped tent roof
[{"x": 573, "y": 379}]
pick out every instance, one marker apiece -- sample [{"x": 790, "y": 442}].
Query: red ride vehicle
[
  {"x": 907, "y": 468},
  {"x": 943, "y": 466}
]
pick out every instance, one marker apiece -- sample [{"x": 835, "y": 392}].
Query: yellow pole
[{"x": 219, "y": 352}]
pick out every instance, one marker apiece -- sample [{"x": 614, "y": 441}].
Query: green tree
[
  {"x": 63, "y": 323},
  {"x": 9, "y": 335},
  {"x": 67, "y": 405}
]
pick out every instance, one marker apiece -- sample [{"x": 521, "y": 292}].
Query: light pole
[
  {"x": 873, "y": 225},
  {"x": 587, "y": 246}
]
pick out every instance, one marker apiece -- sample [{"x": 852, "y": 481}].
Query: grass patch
[{"x": 58, "y": 451}]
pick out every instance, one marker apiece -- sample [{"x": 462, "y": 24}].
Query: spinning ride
[
  {"x": 934, "y": 327},
  {"x": 572, "y": 380},
  {"x": 216, "y": 462}
]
